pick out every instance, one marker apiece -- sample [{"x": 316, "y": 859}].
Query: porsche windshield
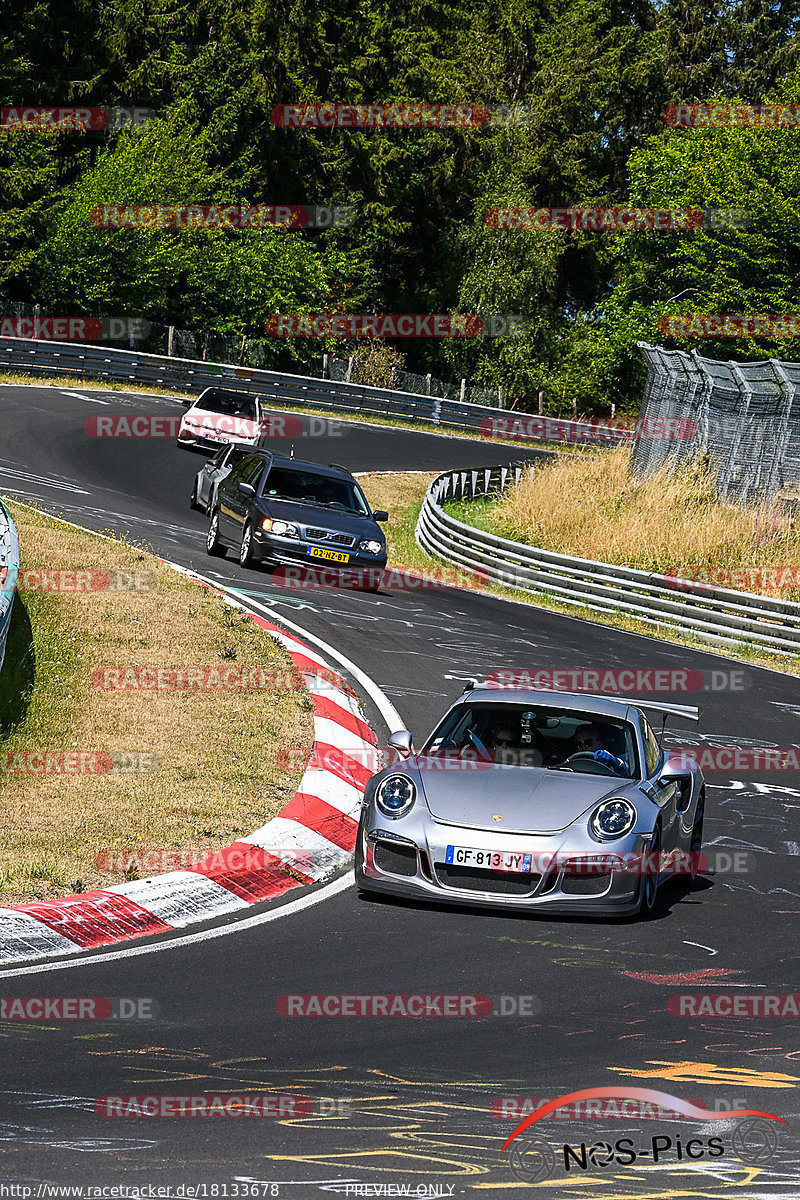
[{"x": 520, "y": 735}]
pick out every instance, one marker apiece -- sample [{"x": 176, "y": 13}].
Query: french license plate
[
  {"x": 331, "y": 555},
  {"x": 496, "y": 860}
]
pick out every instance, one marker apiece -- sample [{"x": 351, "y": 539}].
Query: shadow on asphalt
[{"x": 670, "y": 893}]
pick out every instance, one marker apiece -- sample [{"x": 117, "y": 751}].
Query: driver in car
[
  {"x": 589, "y": 741},
  {"x": 327, "y": 494},
  {"x": 507, "y": 750}
]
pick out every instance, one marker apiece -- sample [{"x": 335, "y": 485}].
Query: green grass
[{"x": 479, "y": 513}]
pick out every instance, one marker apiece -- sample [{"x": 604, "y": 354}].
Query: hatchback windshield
[
  {"x": 525, "y": 736},
  {"x": 323, "y": 490},
  {"x": 229, "y": 404}
]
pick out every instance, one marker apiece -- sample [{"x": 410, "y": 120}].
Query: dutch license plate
[
  {"x": 331, "y": 555},
  {"x": 496, "y": 860}
]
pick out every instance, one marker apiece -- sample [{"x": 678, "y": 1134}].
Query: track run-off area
[{"x": 404, "y": 1105}]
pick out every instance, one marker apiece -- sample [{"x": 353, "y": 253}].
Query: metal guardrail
[
  {"x": 716, "y": 615},
  {"x": 297, "y": 391},
  {"x": 9, "y": 570}
]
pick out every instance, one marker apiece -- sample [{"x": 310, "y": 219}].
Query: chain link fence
[{"x": 745, "y": 417}]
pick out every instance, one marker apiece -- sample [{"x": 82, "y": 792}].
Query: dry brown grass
[
  {"x": 218, "y": 777},
  {"x": 592, "y": 507},
  {"x": 402, "y": 495}
]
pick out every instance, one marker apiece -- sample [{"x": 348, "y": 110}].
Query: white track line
[
  {"x": 388, "y": 712},
  {"x": 80, "y": 396},
  {"x": 384, "y": 705},
  {"x": 205, "y": 935}
]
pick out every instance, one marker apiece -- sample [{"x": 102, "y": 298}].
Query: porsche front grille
[
  {"x": 474, "y": 879},
  {"x": 395, "y": 859},
  {"x": 575, "y": 884}
]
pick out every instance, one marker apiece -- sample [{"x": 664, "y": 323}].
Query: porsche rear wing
[{"x": 685, "y": 712}]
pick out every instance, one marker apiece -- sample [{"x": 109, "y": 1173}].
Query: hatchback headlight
[
  {"x": 371, "y": 547},
  {"x": 395, "y": 795},
  {"x": 612, "y": 819}
]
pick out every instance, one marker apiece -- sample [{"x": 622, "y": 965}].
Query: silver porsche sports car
[{"x": 542, "y": 801}]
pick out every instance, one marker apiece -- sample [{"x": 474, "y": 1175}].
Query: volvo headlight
[
  {"x": 395, "y": 795},
  {"x": 612, "y": 819},
  {"x": 371, "y": 547},
  {"x": 282, "y": 528}
]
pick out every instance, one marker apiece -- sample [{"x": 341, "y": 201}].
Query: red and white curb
[{"x": 319, "y": 822}]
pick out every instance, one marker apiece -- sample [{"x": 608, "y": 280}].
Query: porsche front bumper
[{"x": 565, "y": 879}]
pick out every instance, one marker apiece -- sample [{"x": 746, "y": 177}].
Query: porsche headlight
[
  {"x": 612, "y": 819},
  {"x": 395, "y": 795},
  {"x": 371, "y": 547}
]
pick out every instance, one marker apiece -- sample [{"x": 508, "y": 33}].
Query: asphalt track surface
[{"x": 415, "y": 1093}]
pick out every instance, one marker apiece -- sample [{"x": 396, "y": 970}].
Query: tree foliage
[{"x": 597, "y": 78}]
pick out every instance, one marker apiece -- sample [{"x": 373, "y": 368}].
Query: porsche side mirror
[
  {"x": 402, "y": 741},
  {"x": 380, "y": 515},
  {"x": 673, "y": 772},
  {"x": 187, "y": 403},
  {"x": 246, "y": 489}
]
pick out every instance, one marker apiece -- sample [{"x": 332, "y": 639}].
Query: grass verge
[
  {"x": 189, "y": 769},
  {"x": 402, "y": 495}
]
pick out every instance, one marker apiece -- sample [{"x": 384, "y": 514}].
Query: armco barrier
[
  {"x": 9, "y": 569},
  {"x": 715, "y": 615},
  {"x": 294, "y": 391}
]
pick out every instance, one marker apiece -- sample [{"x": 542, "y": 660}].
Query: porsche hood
[{"x": 526, "y": 799}]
